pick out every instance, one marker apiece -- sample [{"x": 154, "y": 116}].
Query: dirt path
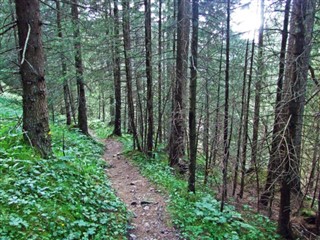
[{"x": 150, "y": 221}]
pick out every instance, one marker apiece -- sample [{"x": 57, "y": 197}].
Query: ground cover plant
[
  {"x": 65, "y": 197},
  {"x": 198, "y": 215}
]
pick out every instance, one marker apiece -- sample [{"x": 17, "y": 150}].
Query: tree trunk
[
  {"x": 226, "y": 114},
  {"x": 127, "y": 49},
  {"x": 82, "y": 105},
  {"x": 116, "y": 72},
  {"x": 35, "y": 106},
  {"x": 276, "y": 133},
  {"x": 243, "y": 98},
  {"x": 177, "y": 136},
  {"x": 147, "y": 6},
  {"x": 63, "y": 66},
  {"x": 215, "y": 144},
  {"x": 246, "y": 123},
  {"x": 193, "y": 96},
  {"x": 206, "y": 133},
  {"x": 72, "y": 104},
  {"x": 260, "y": 78},
  {"x": 291, "y": 117},
  {"x": 159, "y": 131}
]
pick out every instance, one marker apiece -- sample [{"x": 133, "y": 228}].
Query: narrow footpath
[{"x": 150, "y": 220}]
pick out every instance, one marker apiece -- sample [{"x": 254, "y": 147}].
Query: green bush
[{"x": 66, "y": 197}]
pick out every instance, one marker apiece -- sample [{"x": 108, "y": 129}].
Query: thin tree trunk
[
  {"x": 63, "y": 66},
  {"x": 226, "y": 114},
  {"x": 72, "y": 104},
  {"x": 314, "y": 164},
  {"x": 35, "y": 107},
  {"x": 193, "y": 96},
  {"x": 82, "y": 105},
  {"x": 159, "y": 131},
  {"x": 127, "y": 49},
  {"x": 147, "y": 5},
  {"x": 246, "y": 124},
  {"x": 257, "y": 102},
  {"x": 316, "y": 186},
  {"x": 216, "y": 130},
  {"x": 206, "y": 134},
  {"x": 276, "y": 133},
  {"x": 15, "y": 34},
  {"x": 116, "y": 72},
  {"x": 315, "y": 156},
  {"x": 103, "y": 107},
  {"x": 235, "y": 180}
]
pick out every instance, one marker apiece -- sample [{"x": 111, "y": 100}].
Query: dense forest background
[{"x": 235, "y": 110}]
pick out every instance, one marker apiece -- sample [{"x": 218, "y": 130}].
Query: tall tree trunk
[
  {"x": 63, "y": 66},
  {"x": 291, "y": 117},
  {"x": 243, "y": 98},
  {"x": 206, "y": 133},
  {"x": 116, "y": 71},
  {"x": 35, "y": 106},
  {"x": 193, "y": 96},
  {"x": 82, "y": 105},
  {"x": 215, "y": 144},
  {"x": 147, "y": 6},
  {"x": 127, "y": 49},
  {"x": 177, "y": 135},
  {"x": 276, "y": 133},
  {"x": 246, "y": 124},
  {"x": 226, "y": 113},
  {"x": 159, "y": 131},
  {"x": 260, "y": 78}
]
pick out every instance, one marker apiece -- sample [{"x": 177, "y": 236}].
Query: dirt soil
[{"x": 150, "y": 221}]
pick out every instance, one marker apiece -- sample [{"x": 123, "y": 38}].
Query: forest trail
[{"x": 150, "y": 220}]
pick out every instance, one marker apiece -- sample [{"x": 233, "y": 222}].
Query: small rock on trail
[{"x": 150, "y": 220}]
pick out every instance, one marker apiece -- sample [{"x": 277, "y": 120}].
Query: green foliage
[
  {"x": 198, "y": 215},
  {"x": 101, "y": 129},
  {"x": 66, "y": 197}
]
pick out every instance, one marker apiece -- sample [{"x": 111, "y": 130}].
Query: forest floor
[{"x": 149, "y": 221}]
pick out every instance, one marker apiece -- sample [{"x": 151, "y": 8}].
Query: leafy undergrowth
[
  {"x": 66, "y": 197},
  {"x": 101, "y": 130},
  {"x": 198, "y": 215}
]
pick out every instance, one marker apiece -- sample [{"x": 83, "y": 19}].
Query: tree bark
[
  {"x": 226, "y": 113},
  {"x": 35, "y": 107},
  {"x": 127, "y": 49},
  {"x": 260, "y": 78},
  {"x": 193, "y": 97},
  {"x": 177, "y": 136},
  {"x": 243, "y": 98},
  {"x": 215, "y": 144},
  {"x": 246, "y": 124},
  {"x": 116, "y": 72},
  {"x": 291, "y": 117},
  {"x": 82, "y": 104},
  {"x": 63, "y": 66},
  {"x": 276, "y": 133},
  {"x": 159, "y": 131},
  {"x": 147, "y": 5}
]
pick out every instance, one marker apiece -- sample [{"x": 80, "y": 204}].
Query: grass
[
  {"x": 66, "y": 197},
  {"x": 198, "y": 215}
]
